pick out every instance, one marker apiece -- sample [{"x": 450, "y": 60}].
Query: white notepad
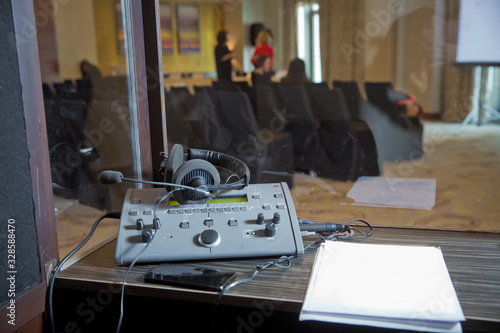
[{"x": 399, "y": 287}]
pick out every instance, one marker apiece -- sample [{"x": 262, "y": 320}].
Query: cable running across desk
[{"x": 288, "y": 259}]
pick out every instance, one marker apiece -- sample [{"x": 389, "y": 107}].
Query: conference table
[{"x": 88, "y": 293}]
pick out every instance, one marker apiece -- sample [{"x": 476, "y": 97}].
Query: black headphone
[{"x": 202, "y": 169}]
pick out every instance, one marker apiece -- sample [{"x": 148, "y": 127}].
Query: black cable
[
  {"x": 335, "y": 230},
  {"x": 118, "y": 328},
  {"x": 365, "y": 235},
  {"x": 114, "y": 215},
  {"x": 122, "y": 295},
  {"x": 258, "y": 268}
]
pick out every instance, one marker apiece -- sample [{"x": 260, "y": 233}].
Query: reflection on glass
[
  {"x": 86, "y": 104},
  {"x": 390, "y": 104}
]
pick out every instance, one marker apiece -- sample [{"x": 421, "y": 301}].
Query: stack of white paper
[
  {"x": 399, "y": 287},
  {"x": 413, "y": 193}
]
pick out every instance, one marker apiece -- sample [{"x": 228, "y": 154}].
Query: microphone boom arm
[{"x": 200, "y": 191}]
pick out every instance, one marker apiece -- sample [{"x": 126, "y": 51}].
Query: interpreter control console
[{"x": 259, "y": 220}]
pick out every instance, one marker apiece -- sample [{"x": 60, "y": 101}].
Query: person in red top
[{"x": 263, "y": 45}]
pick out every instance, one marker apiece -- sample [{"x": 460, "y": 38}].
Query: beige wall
[
  {"x": 402, "y": 52},
  {"x": 86, "y": 29},
  {"x": 231, "y": 17},
  {"x": 75, "y": 36},
  {"x": 109, "y": 60}
]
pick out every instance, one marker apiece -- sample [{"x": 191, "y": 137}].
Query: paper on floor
[{"x": 412, "y": 193}]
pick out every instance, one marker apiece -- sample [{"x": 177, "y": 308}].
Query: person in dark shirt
[{"x": 223, "y": 57}]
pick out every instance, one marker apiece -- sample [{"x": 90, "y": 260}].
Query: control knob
[
  {"x": 147, "y": 235},
  {"x": 260, "y": 218},
  {"x": 209, "y": 238},
  {"x": 139, "y": 224},
  {"x": 270, "y": 229}
]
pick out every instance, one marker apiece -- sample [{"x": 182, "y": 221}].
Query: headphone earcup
[
  {"x": 194, "y": 173},
  {"x": 173, "y": 163}
]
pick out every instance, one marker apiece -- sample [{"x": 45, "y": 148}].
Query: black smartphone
[{"x": 190, "y": 276}]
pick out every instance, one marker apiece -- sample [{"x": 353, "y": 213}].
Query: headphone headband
[{"x": 223, "y": 160}]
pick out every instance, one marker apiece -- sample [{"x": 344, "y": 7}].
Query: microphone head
[{"x": 109, "y": 177}]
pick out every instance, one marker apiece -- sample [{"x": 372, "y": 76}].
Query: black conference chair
[
  {"x": 394, "y": 142},
  {"x": 67, "y": 90},
  {"x": 226, "y": 86},
  {"x": 180, "y": 89},
  {"x": 177, "y": 130},
  {"x": 199, "y": 115},
  {"x": 382, "y": 95},
  {"x": 393, "y": 102},
  {"x": 268, "y": 110},
  {"x": 351, "y": 94},
  {"x": 205, "y": 89},
  {"x": 349, "y": 144},
  {"x": 301, "y": 125},
  {"x": 269, "y": 155}
]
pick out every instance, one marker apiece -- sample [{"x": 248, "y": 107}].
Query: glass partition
[
  {"x": 381, "y": 136},
  {"x": 82, "y": 49}
]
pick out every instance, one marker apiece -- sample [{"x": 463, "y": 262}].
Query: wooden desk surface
[{"x": 472, "y": 258}]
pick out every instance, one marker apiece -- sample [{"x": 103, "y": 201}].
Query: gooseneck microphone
[{"x": 109, "y": 177}]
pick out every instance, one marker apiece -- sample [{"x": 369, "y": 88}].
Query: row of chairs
[
  {"x": 225, "y": 121},
  {"x": 77, "y": 141},
  {"x": 67, "y": 90},
  {"x": 313, "y": 124}
]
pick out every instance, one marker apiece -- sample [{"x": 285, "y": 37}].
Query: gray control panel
[{"x": 257, "y": 221}]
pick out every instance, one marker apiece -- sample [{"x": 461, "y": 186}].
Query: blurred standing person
[
  {"x": 223, "y": 57},
  {"x": 264, "y": 45}
]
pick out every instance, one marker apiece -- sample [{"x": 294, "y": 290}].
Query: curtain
[
  {"x": 290, "y": 37},
  {"x": 342, "y": 56},
  {"x": 458, "y": 81}
]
